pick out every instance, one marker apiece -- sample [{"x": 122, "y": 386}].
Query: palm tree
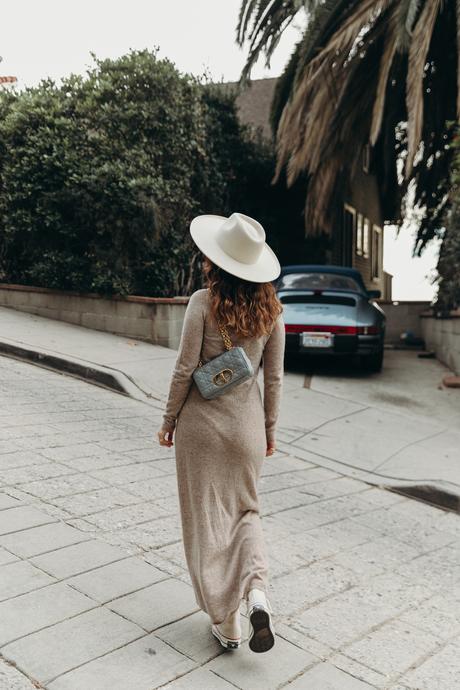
[{"x": 383, "y": 72}]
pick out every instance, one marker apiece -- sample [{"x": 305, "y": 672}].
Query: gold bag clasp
[{"x": 222, "y": 377}]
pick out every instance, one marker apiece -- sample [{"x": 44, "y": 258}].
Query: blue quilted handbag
[{"x": 224, "y": 371}]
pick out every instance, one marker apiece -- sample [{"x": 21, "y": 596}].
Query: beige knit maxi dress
[{"x": 220, "y": 446}]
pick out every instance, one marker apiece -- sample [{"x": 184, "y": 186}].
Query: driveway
[{"x": 397, "y": 426}]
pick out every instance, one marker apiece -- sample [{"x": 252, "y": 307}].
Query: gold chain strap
[{"x": 226, "y": 338}]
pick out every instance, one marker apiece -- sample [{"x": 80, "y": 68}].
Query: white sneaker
[
  {"x": 232, "y": 627},
  {"x": 227, "y": 642},
  {"x": 261, "y": 633}
]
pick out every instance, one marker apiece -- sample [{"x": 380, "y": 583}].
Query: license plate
[{"x": 316, "y": 339}]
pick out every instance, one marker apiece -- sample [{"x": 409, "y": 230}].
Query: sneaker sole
[{"x": 261, "y": 638}]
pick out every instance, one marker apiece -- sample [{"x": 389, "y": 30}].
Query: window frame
[{"x": 376, "y": 251}]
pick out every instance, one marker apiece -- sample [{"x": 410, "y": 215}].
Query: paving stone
[
  {"x": 7, "y": 446},
  {"x": 129, "y": 444},
  {"x": 199, "y": 680},
  {"x": 129, "y": 473},
  {"x": 19, "y": 458},
  {"x": 421, "y": 537},
  {"x": 282, "y": 500},
  {"x": 160, "y": 487},
  {"x": 71, "y": 451},
  {"x": 302, "y": 640},
  {"x": 116, "y": 579},
  {"x": 281, "y": 462},
  {"x": 23, "y": 475},
  {"x": 275, "y": 482},
  {"x": 47, "y": 653},
  {"x": 348, "y": 615},
  {"x": 295, "y": 591},
  {"x": 164, "y": 563},
  {"x": 359, "y": 670},
  {"x": 373, "y": 557},
  {"x": 127, "y": 516},
  {"x": 6, "y": 557},
  {"x": 432, "y": 569},
  {"x": 23, "y": 517},
  {"x": 20, "y": 577},
  {"x": 325, "y": 676},
  {"x": 393, "y": 648},
  {"x": 144, "y": 664},
  {"x": 37, "y": 540},
  {"x": 78, "y": 558},
  {"x": 66, "y": 485},
  {"x": 439, "y": 615},
  {"x": 440, "y": 672},
  {"x": 157, "y": 605},
  {"x": 383, "y": 498},
  {"x": 261, "y": 671},
  {"x": 192, "y": 636},
  {"x": 90, "y": 502},
  {"x": 103, "y": 460},
  {"x": 153, "y": 534},
  {"x": 8, "y": 501},
  {"x": 30, "y": 612},
  {"x": 12, "y": 679}
]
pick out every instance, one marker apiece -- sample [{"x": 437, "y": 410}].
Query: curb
[
  {"x": 111, "y": 379},
  {"x": 447, "y": 491}
]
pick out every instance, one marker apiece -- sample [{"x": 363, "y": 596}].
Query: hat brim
[{"x": 203, "y": 231}]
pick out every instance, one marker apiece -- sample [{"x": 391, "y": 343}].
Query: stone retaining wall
[
  {"x": 443, "y": 337},
  {"x": 154, "y": 319}
]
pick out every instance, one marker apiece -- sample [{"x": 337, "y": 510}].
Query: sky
[{"x": 52, "y": 38}]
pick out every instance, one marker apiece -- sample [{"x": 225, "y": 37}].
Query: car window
[{"x": 317, "y": 281}]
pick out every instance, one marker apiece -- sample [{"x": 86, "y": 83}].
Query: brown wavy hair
[{"x": 250, "y": 308}]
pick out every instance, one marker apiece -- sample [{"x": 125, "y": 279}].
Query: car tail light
[
  {"x": 369, "y": 330},
  {"x": 340, "y": 330}
]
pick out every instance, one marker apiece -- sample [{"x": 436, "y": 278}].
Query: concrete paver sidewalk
[
  {"x": 397, "y": 428},
  {"x": 94, "y": 589}
]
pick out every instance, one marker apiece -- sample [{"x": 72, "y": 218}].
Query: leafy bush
[
  {"x": 100, "y": 176},
  {"x": 448, "y": 267}
]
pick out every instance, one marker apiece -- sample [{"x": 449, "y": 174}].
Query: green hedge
[
  {"x": 100, "y": 176},
  {"x": 448, "y": 266}
]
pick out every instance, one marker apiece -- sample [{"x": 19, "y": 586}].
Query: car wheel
[{"x": 373, "y": 363}]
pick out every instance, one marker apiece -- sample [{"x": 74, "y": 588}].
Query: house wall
[
  {"x": 401, "y": 317},
  {"x": 364, "y": 198}
]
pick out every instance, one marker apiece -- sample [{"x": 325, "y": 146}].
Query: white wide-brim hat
[{"x": 236, "y": 244}]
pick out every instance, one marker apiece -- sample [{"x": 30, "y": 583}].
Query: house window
[
  {"x": 376, "y": 268},
  {"x": 348, "y": 231},
  {"x": 359, "y": 234},
  {"x": 365, "y": 241},
  {"x": 362, "y": 236}
]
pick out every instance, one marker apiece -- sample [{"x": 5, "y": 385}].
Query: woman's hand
[
  {"x": 270, "y": 448},
  {"x": 165, "y": 437}
]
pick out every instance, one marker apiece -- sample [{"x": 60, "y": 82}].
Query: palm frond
[
  {"x": 406, "y": 13},
  {"x": 458, "y": 56},
  {"x": 390, "y": 46},
  {"x": 418, "y": 52},
  {"x": 261, "y": 23}
]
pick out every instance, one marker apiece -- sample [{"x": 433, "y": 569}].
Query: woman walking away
[{"x": 223, "y": 428}]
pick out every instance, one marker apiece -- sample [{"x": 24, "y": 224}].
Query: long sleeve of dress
[
  {"x": 273, "y": 368},
  {"x": 187, "y": 359}
]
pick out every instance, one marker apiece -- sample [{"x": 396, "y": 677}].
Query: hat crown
[{"x": 242, "y": 238}]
